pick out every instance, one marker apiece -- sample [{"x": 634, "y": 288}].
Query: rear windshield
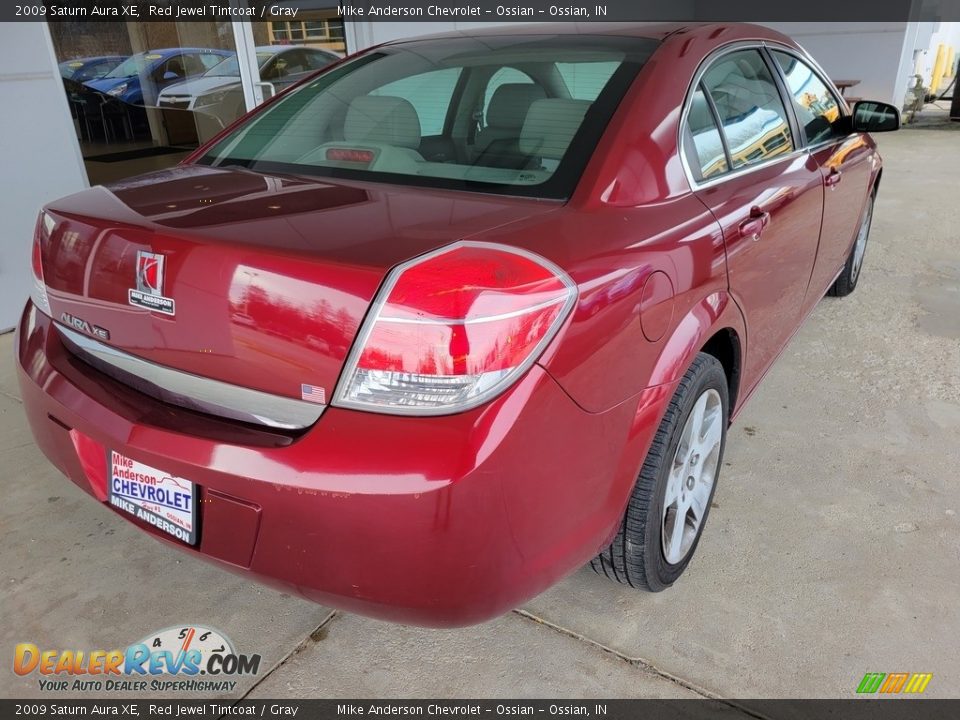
[{"x": 517, "y": 115}]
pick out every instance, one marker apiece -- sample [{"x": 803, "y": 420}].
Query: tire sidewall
[
  {"x": 660, "y": 573},
  {"x": 868, "y": 218}
]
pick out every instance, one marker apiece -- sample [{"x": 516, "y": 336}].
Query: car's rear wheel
[
  {"x": 846, "y": 283},
  {"x": 671, "y": 499}
]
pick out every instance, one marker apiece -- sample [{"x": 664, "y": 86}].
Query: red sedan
[{"x": 455, "y": 316}]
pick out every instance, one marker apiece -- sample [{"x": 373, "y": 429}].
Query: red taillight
[
  {"x": 38, "y": 292},
  {"x": 37, "y": 261},
  {"x": 454, "y": 328}
]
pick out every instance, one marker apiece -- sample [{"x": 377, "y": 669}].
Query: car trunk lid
[{"x": 255, "y": 280}]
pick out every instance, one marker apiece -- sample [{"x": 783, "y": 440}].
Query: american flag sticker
[{"x": 314, "y": 394}]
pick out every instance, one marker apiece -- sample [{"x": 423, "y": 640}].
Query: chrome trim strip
[{"x": 193, "y": 391}]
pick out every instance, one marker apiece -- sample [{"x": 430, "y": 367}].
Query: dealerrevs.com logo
[{"x": 180, "y": 658}]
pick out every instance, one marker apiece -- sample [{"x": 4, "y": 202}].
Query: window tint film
[
  {"x": 703, "y": 146},
  {"x": 748, "y": 102},
  {"x": 817, "y": 108},
  {"x": 407, "y": 113}
]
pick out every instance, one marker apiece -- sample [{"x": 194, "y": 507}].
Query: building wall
[
  {"x": 873, "y": 53},
  {"x": 38, "y": 146},
  {"x": 931, "y": 36}
]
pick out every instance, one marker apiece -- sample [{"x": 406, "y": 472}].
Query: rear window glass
[
  {"x": 419, "y": 113},
  {"x": 429, "y": 93},
  {"x": 586, "y": 80}
]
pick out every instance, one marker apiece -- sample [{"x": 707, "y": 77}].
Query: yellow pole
[{"x": 938, "y": 68}]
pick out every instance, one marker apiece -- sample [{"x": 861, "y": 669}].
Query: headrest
[
  {"x": 382, "y": 119},
  {"x": 550, "y": 126},
  {"x": 510, "y": 103}
]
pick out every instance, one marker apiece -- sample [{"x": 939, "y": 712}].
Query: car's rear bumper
[{"x": 434, "y": 520}]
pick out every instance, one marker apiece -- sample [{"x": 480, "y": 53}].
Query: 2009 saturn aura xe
[{"x": 451, "y": 318}]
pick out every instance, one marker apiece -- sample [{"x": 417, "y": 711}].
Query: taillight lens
[
  {"x": 38, "y": 292},
  {"x": 452, "y": 329}
]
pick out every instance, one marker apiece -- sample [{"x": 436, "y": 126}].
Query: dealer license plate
[{"x": 165, "y": 501}]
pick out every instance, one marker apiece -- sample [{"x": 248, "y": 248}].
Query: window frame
[
  {"x": 686, "y": 133},
  {"x": 799, "y": 139}
]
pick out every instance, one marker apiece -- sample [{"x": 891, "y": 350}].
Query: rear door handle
[
  {"x": 833, "y": 177},
  {"x": 754, "y": 225}
]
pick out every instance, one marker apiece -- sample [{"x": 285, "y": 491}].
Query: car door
[
  {"x": 740, "y": 147},
  {"x": 844, "y": 160}
]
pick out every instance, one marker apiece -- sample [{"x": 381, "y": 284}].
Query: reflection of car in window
[
  {"x": 218, "y": 91},
  {"x": 139, "y": 79},
  {"x": 89, "y": 68}
]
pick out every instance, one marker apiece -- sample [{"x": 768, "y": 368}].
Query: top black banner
[{"x": 582, "y": 11}]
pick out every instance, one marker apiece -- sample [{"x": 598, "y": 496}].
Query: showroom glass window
[
  {"x": 752, "y": 114},
  {"x": 817, "y": 108},
  {"x": 408, "y": 114},
  {"x": 143, "y": 95}
]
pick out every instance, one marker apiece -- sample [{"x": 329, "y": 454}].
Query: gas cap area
[{"x": 656, "y": 305}]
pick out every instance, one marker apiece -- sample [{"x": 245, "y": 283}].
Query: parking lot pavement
[
  {"x": 510, "y": 657},
  {"x": 832, "y": 550},
  {"x": 75, "y": 576}
]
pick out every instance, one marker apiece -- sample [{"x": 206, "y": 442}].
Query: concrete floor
[{"x": 833, "y": 550}]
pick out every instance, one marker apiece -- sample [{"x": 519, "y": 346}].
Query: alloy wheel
[{"x": 692, "y": 476}]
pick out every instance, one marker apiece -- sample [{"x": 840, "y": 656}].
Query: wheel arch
[
  {"x": 726, "y": 347},
  {"x": 713, "y": 325}
]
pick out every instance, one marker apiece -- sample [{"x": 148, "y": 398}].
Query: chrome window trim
[
  {"x": 798, "y": 150},
  {"x": 194, "y": 392}
]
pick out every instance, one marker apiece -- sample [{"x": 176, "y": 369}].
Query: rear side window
[
  {"x": 429, "y": 93},
  {"x": 702, "y": 145},
  {"x": 751, "y": 111},
  {"x": 816, "y": 106}
]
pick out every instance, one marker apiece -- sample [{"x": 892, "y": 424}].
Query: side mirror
[
  {"x": 170, "y": 75},
  {"x": 873, "y": 116}
]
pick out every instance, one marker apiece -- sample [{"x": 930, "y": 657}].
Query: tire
[
  {"x": 638, "y": 555},
  {"x": 846, "y": 283}
]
